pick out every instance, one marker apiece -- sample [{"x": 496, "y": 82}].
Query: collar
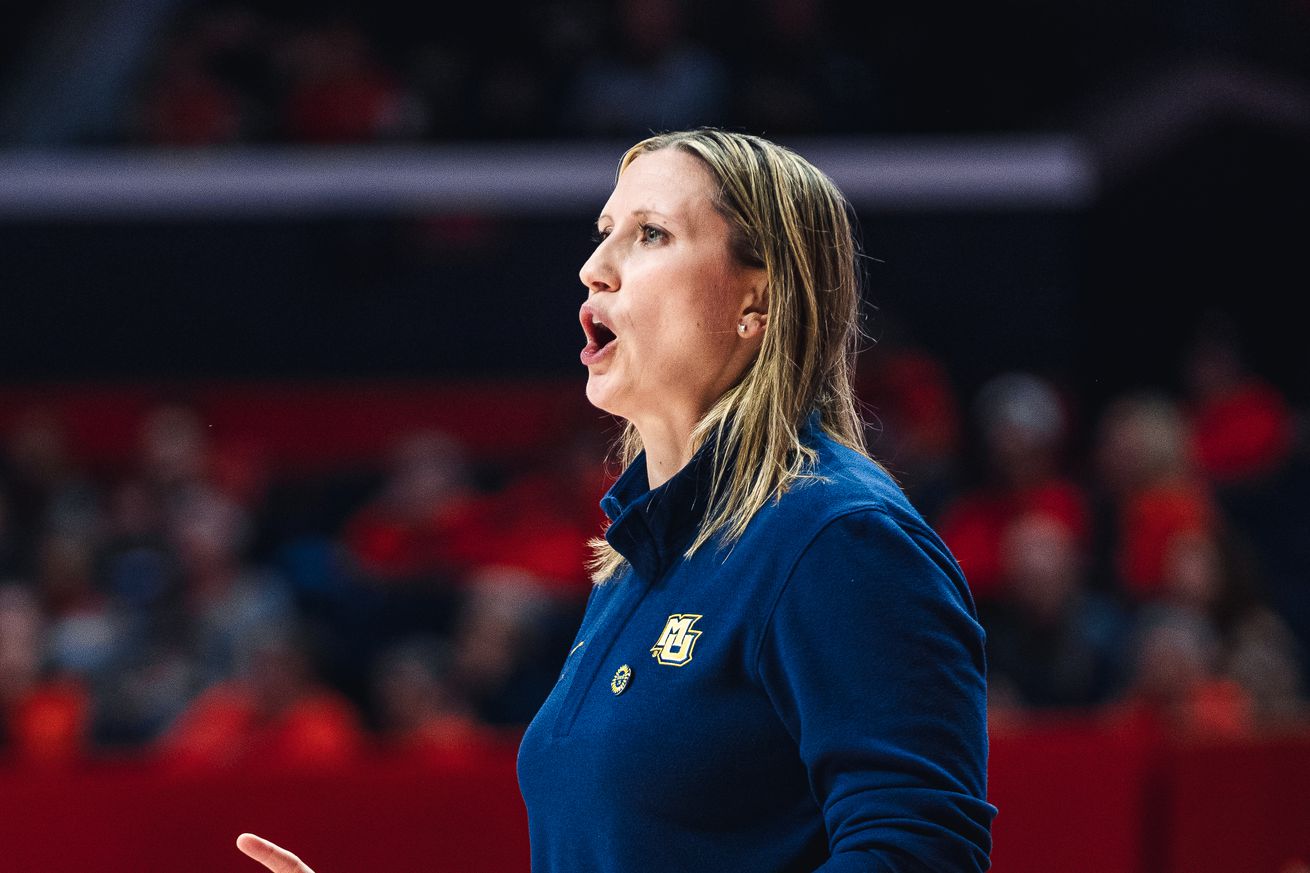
[{"x": 652, "y": 527}]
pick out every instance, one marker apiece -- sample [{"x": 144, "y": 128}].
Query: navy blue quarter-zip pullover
[{"x": 811, "y": 699}]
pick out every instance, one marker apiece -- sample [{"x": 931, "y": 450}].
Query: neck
[{"x": 667, "y": 442}]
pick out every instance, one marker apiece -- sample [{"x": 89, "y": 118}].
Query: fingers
[{"x": 272, "y": 856}]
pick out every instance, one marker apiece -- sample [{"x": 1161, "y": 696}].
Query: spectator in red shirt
[
  {"x": 543, "y": 521},
  {"x": 1023, "y": 423},
  {"x": 1178, "y": 689},
  {"x": 277, "y": 714},
  {"x": 1241, "y": 426},
  {"x": 44, "y": 720},
  {"x": 424, "y": 524},
  {"x": 1153, "y": 490}
]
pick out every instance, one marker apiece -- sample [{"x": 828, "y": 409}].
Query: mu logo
[{"x": 676, "y": 640}]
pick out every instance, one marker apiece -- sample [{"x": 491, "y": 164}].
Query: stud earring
[{"x": 741, "y": 327}]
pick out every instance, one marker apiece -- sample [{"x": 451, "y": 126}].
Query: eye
[
  {"x": 650, "y": 234},
  {"x": 598, "y": 236}
]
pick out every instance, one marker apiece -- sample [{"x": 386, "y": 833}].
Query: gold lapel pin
[{"x": 622, "y": 677}]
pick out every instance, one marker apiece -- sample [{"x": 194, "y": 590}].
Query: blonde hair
[{"x": 790, "y": 219}]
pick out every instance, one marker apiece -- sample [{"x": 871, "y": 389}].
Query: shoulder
[
  {"x": 850, "y": 523},
  {"x": 841, "y": 483}
]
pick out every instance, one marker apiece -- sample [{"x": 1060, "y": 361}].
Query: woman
[{"x": 780, "y": 666}]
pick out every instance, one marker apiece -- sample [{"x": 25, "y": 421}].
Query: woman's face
[{"x": 665, "y": 295}]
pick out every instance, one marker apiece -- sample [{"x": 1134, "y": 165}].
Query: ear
[{"x": 756, "y": 300}]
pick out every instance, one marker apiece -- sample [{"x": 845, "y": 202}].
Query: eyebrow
[{"x": 602, "y": 217}]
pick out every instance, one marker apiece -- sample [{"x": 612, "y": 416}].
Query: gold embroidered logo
[
  {"x": 622, "y": 677},
  {"x": 677, "y": 640}
]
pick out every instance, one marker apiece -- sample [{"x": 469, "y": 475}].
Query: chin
[{"x": 601, "y": 396}]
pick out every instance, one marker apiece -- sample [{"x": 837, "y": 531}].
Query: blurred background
[{"x": 296, "y": 472}]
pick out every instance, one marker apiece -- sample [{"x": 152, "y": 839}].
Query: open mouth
[
  {"x": 599, "y": 333},
  {"x": 599, "y": 336},
  {"x": 602, "y": 335}
]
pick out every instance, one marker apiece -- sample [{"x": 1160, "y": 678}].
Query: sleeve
[{"x": 873, "y": 657}]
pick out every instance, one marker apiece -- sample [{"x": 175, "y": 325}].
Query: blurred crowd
[
  {"x": 235, "y": 74},
  {"x": 1129, "y": 564},
  {"x": 173, "y": 609},
  {"x": 351, "y": 73},
  {"x": 1146, "y": 563}
]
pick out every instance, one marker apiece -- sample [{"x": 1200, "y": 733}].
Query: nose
[{"x": 598, "y": 273}]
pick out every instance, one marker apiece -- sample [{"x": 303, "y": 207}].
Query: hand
[{"x": 272, "y": 856}]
